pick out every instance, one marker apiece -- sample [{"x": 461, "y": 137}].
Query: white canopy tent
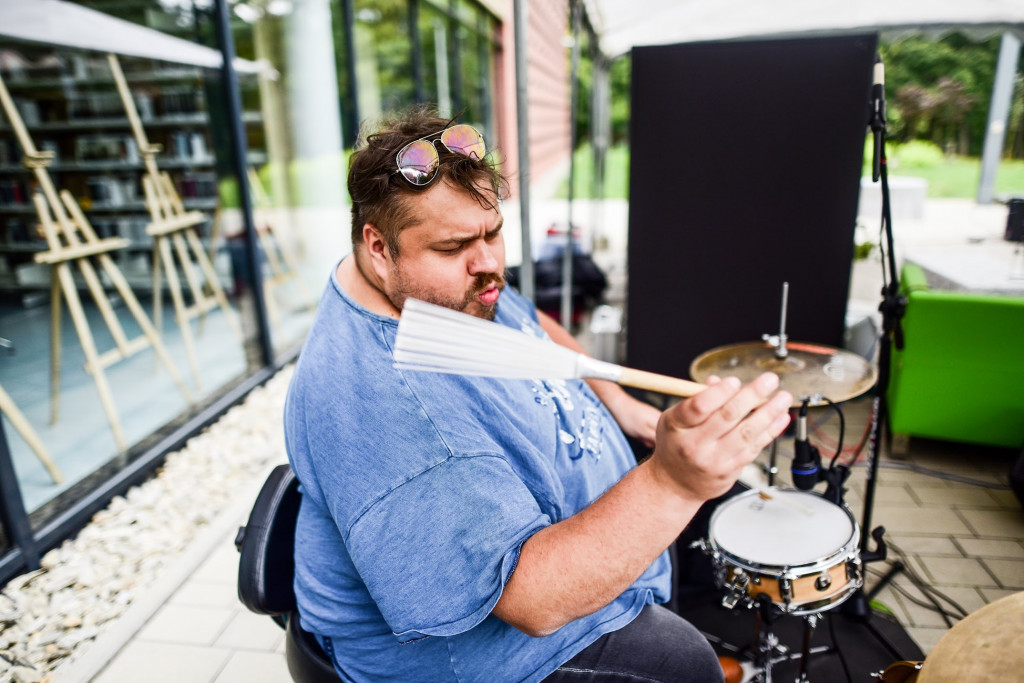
[
  {"x": 623, "y": 24},
  {"x": 65, "y": 24}
]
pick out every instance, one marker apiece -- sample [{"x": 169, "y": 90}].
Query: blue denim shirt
[{"x": 419, "y": 490}]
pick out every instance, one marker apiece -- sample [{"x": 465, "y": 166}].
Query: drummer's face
[{"x": 453, "y": 256}]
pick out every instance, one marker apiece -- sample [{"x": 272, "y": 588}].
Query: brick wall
[{"x": 548, "y": 88}]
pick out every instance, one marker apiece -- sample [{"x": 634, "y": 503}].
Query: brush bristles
[{"x": 436, "y": 339}]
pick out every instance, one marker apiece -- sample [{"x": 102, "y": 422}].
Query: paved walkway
[{"x": 946, "y": 506}]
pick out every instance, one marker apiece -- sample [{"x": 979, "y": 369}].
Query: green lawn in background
[{"x": 946, "y": 176}]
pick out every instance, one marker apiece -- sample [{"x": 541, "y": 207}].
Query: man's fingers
[
  {"x": 738, "y": 406},
  {"x": 764, "y": 425},
  {"x": 697, "y": 409}
]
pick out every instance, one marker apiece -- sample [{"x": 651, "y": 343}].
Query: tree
[{"x": 939, "y": 90}]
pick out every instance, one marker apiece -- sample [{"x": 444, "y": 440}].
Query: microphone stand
[{"x": 892, "y": 308}]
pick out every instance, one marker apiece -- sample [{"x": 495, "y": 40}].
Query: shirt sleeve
[{"x": 436, "y": 552}]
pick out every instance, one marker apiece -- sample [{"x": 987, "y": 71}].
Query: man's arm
[
  {"x": 579, "y": 565},
  {"x": 636, "y": 418}
]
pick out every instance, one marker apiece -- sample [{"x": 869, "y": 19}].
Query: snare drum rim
[{"x": 847, "y": 551}]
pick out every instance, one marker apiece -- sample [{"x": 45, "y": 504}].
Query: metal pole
[
  {"x": 999, "y": 112},
  {"x": 574, "y": 20},
  {"x": 349, "y": 12},
  {"x": 600, "y": 122},
  {"x": 419, "y": 89},
  {"x": 239, "y": 151},
  {"x": 13, "y": 516},
  {"x": 526, "y": 284}
]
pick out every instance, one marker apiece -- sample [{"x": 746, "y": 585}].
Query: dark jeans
[{"x": 658, "y": 646}]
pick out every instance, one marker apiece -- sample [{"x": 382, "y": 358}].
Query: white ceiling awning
[
  {"x": 65, "y": 24},
  {"x": 624, "y": 24}
]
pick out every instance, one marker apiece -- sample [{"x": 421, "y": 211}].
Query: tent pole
[
  {"x": 999, "y": 112},
  {"x": 526, "y": 284},
  {"x": 574, "y": 19}
]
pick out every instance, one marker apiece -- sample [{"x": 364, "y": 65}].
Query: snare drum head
[{"x": 792, "y": 528}]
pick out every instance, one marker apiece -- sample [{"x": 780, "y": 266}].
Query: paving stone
[
  {"x": 993, "y": 594},
  {"x": 927, "y": 545},
  {"x": 1005, "y": 498},
  {"x": 255, "y": 667},
  {"x": 924, "y": 520},
  {"x": 1002, "y": 523},
  {"x": 165, "y": 663},
  {"x": 249, "y": 631},
  {"x": 956, "y": 571},
  {"x": 1010, "y": 573},
  {"x": 926, "y": 638},
  {"x": 206, "y": 594},
  {"x": 187, "y": 625},
  {"x": 962, "y": 496},
  {"x": 990, "y": 548}
]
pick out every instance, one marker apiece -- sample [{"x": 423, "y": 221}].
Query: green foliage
[
  {"x": 914, "y": 154},
  {"x": 619, "y": 75},
  {"x": 616, "y": 176},
  {"x": 939, "y": 90}
]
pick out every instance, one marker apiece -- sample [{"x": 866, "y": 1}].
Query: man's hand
[{"x": 704, "y": 442}]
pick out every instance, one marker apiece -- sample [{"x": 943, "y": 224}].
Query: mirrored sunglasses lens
[
  {"x": 418, "y": 162},
  {"x": 464, "y": 140}
]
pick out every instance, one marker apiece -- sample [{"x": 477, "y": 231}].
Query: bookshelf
[{"x": 70, "y": 105}]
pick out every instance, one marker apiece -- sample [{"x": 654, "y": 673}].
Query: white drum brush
[{"x": 438, "y": 339}]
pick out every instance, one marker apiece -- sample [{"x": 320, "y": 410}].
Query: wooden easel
[
  {"x": 279, "y": 256},
  {"x": 8, "y": 408},
  {"x": 171, "y": 225},
  {"x": 71, "y": 239}
]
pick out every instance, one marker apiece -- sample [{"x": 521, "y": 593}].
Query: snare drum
[{"x": 797, "y": 548}]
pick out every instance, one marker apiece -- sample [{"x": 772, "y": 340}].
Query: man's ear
[{"x": 377, "y": 249}]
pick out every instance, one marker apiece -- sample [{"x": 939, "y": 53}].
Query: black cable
[
  {"x": 842, "y": 431},
  {"x": 917, "y": 601},
  {"x": 922, "y": 585},
  {"x": 839, "y": 652}
]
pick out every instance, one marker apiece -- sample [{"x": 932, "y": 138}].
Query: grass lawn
[{"x": 947, "y": 176}]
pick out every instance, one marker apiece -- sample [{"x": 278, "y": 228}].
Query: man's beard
[{"x": 466, "y": 304}]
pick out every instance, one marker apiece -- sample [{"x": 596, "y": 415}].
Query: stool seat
[{"x": 266, "y": 571}]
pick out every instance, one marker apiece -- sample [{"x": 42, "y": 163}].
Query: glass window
[
  {"x": 123, "y": 307},
  {"x": 435, "y": 45},
  {"x": 384, "y": 56}
]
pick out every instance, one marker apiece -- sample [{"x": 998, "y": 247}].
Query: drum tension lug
[{"x": 737, "y": 591}]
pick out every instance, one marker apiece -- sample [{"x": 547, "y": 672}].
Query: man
[{"x": 474, "y": 529}]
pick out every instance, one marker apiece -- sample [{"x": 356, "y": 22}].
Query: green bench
[{"x": 960, "y": 376}]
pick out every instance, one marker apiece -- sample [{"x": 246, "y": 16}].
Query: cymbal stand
[
  {"x": 778, "y": 342},
  {"x": 892, "y": 308}
]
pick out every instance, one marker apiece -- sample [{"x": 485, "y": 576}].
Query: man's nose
[{"x": 483, "y": 260}]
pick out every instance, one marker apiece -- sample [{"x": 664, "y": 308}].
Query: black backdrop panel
[{"x": 745, "y": 173}]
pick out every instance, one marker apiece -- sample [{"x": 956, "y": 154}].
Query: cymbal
[
  {"x": 984, "y": 646},
  {"x": 808, "y": 370}
]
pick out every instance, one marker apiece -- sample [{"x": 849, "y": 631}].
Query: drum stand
[{"x": 769, "y": 651}]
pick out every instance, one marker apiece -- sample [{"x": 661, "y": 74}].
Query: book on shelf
[{"x": 116, "y": 147}]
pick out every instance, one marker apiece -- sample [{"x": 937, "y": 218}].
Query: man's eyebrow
[{"x": 469, "y": 238}]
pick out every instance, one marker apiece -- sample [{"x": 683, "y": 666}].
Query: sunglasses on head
[{"x": 418, "y": 160}]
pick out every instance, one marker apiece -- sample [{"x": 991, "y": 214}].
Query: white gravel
[{"x": 50, "y": 617}]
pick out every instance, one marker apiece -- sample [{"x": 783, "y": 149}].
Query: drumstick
[{"x": 764, "y": 495}]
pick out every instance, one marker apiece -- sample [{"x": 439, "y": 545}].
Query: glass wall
[
  {"x": 126, "y": 295},
  {"x": 125, "y": 305}
]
